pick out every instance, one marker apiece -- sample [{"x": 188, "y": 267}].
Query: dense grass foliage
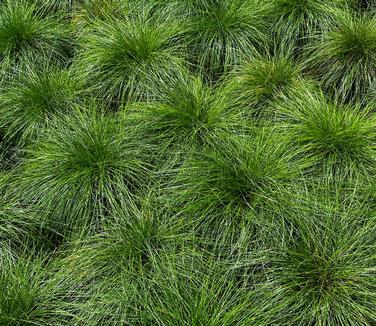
[
  {"x": 345, "y": 56},
  {"x": 26, "y": 36},
  {"x": 81, "y": 168},
  {"x": 31, "y": 101},
  {"x": 123, "y": 58},
  {"x": 220, "y": 33},
  {"x": 187, "y": 163},
  {"x": 339, "y": 138},
  {"x": 261, "y": 82}
]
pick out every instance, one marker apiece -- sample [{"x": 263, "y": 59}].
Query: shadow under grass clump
[
  {"x": 334, "y": 138},
  {"x": 31, "y": 101},
  {"x": 220, "y": 33},
  {"x": 82, "y": 166},
  {"x": 344, "y": 58},
  {"x": 236, "y": 179},
  {"x": 122, "y": 61},
  {"x": 261, "y": 82},
  {"x": 324, "y": 272},
  {"x": 186, "y": 115},
  {"x": 27, "y": 37}
]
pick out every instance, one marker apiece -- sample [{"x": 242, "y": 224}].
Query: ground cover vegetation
[{"x": 187, "y": 163}]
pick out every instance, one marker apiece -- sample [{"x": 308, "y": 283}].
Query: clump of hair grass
[
  {"x": 344, "y": 57},
  {"x": 29, "y": 294},
  {"x": 295, "y": 22},
  {"x": 220, "y": 33},
  {"x": 27, "y": 37},
  {"x": 30, "y": 102},
  {"x": 334, "y": 138},
  {"x": 123, "y": 60},
  {"x": 186, "y": 115},
  {"x": 323, "y": 272},
  {"x": 261, "y": 82},
  {"x": 116, "y": 267},
  {"x": 81, "y": 168},
  {"x": 202, "y": 292},
  {"x": 237, "y": 178}
]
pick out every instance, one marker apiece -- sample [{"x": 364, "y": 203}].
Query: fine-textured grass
[
  {"x": 122, "y": 59},
  {"x": 83, "y": 166},
  {"x": 26, "y": 36},
  {"x": 208, "y": 295},
  {"x": 187, "y": 163},
  {"x": 260, "y": 82},
  {"x": 186, "y": 114},
  {"x": 323, "y": 273},
  {"x": 335, "y": 138},
  {"x": 30, "y": 102},
  {"x": 294, "y": 22},
  {"x": 29, "y": 294},
  {"x": 344, "y": 57},
  {"x": 16, "y": 223},
  {"x": 220, "y": 33},
  {"x": 237, "y": 178},
  {"x": 88, "y": 10}
]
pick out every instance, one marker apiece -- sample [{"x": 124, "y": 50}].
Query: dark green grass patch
[
  {"x": 324, "y": 272},
  {"x": 186, "y": 115},
  {"x": 237, "y": 178},
  {"x": 258, "y": 84},
  {"x": 220, "y": 33}
]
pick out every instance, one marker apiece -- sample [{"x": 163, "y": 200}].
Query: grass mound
[
  {"x": 26, "y": 36},
  {"x": 187, "y": 163},
  {"x": 344, "y": 57},
  {"x": 122, "y": 60},
  {"x": 81, "y": 168},
  {"x": 31, "y": 101}
]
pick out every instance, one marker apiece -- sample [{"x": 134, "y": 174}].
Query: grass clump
[
  {"x": 261, "y": 82},
  {"x": 124, "y": 59},
  {"x": 117, "y": 266},
  {"x": 337, "y": 138},
  {"x": 237, "y": 178},
  {"x": 294, "y": 22},
  {"x": 324, "y": 272},
  {"x": 186, "y": 115},
  {"x": 26, "y": 37},
  {"x": 201, "y": 293},
  {"x": 29, "y": 294},
  {"x": 344, "y": 57},
  {"x": 220, "y": 33},
  {"x": 130, "y": 243},
  {"x": 32, "y": 101},
  {"x": 82, "y": 167}
]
